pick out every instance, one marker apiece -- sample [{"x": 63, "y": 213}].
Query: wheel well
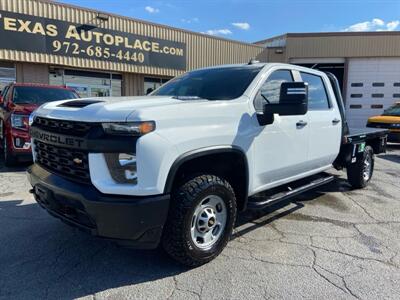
[{"x": 229, "y": 165}]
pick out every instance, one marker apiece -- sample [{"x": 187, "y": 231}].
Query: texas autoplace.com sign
[{"x": 23, "y": 32}]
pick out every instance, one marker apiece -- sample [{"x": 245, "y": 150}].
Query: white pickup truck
[{"x": 175, "y": 167}]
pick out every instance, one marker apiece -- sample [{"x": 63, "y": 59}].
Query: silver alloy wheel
[
  {"x": 208, "y": 222},
  {"x": 367, "y": 167}
]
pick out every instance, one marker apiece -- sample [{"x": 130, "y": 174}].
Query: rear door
[{"x": 325, "y": 130}]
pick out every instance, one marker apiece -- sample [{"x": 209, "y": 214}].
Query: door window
[
  {"x": 317, "y": 96},
  {"x": 271, "y": 88}
]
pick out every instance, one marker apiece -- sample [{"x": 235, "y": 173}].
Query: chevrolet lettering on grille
[{"x": 57, "y": 139}]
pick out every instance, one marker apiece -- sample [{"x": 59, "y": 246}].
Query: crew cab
[
  {"x": 17, "y": 102},
  {"x": 390, "y": 119},
  {"x": 176, "y": 167}
]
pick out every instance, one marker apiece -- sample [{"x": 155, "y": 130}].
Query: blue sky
[{"x": 254, "y": 20}]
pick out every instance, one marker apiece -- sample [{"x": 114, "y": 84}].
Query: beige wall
[
  {"x": 32, "y": 73},
  {"x": 201, "y": 50},
  {"x": 341, "y": 45},
  {"x": 132, "y": 84}
]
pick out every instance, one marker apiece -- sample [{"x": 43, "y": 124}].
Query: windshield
[
  {"x": 41, "y": 95},
  {"x": 211, "y": 84},
  {"x": 392, "y": 111}
]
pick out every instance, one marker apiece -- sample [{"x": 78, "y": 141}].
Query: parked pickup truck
[
  {"x": 17, "y": 102},
  {"x": 176, "y": 166}
]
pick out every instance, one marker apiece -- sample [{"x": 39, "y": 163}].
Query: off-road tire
[
  {"x": 355, "y": 171},
  {"x": 176, "y": 240}
]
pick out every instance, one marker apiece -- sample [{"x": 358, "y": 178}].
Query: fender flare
[{"x": 203, "y": 152}]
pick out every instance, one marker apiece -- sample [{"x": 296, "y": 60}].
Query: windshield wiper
[{"x": 189, "y": 98}]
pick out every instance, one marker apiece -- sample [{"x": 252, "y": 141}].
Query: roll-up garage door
[{"x": 373, "y": 84}]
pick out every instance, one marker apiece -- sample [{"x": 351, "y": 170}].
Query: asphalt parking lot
[{"x": 333, "y": 243}]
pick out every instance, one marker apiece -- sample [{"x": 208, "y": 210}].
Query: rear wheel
[
  {"x": 360, "y": 172},
  {"x": 200, "y": 221},
  {"x": 9, "y": 160}
]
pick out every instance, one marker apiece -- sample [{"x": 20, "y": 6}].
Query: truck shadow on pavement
[
  {"x": 389, "y": 156},
  {"x": 282, "y": 209},
  {"x": 21, "y": 167},
  {"x": 58, "y": 262}
]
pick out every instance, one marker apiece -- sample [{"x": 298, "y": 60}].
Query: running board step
[{"x": 266, "y": 201}]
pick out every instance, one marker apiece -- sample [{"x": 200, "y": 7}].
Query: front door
[{"x": 281, "y": 148}]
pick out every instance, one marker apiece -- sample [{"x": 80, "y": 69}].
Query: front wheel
[
  {"x": 360, "y": 172},
  {"x": 200, "y": 221}
]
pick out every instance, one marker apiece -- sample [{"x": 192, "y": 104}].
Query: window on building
[
  {"x": 151, "y": 84},
  {"x": 356, "y": 95},
  {"x": 376, "y": 106},
  {"x": 317, "y": 96},
  {"x": 271, "y": 88},
  {"x": 357, "y": 84},
  {"x": 7, "y": 74},
  {"x": 396, "y": 95},
  {"x": 87, "y": 83},
  {"x": 396, "y": 84},
  {"x": 379, "y": 95},
  {"x": 355, "y": 106},
  {"x": 376, "y": 84}
]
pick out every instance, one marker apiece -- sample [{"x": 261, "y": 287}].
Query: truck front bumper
[{"x": 135, "y": 222}]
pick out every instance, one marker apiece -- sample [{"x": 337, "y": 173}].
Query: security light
[{"x": 102, "y": 17}]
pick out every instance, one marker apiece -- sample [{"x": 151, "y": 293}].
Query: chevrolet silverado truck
[{"x": 175, "y": 167}]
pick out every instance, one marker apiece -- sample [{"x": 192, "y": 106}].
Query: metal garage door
[{"x": 373, "y": 84}]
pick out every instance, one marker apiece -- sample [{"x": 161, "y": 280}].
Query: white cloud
[
  {"x": 151, "y": 10},
  {"x": 392, "y": 25},
  {"x": 189, "y": 21},
  {"x": 374, "y": 25},
  {"x": 218, "y": 32},
  {"x": 243, "y": 25}
]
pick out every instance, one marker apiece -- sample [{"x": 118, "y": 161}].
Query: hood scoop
[{"x": 79, "y": 103}]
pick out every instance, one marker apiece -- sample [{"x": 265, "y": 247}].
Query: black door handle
[
  {"x": 335, "y": 121},
  {"x": 301, "y": 123}
]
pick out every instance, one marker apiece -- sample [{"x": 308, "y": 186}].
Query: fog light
[
  {"x": 130, "y": 175},
  {"x": 19, "y": 143},
  {"x": 122, "y": 167}
]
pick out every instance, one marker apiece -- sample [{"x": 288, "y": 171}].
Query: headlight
[
  {"x": 122, "y": 167},
  {"x": 129, "y": 128},
  {"x": 31, "y": 119},
  {"x": 19, "y": 121},
  {"x": 396, "y": 125}
]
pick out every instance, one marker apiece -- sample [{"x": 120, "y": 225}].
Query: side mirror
[{"x": 293, "y": 100}]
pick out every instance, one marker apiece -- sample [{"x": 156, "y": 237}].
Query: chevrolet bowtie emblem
[{"x": 78, "y": 161}]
